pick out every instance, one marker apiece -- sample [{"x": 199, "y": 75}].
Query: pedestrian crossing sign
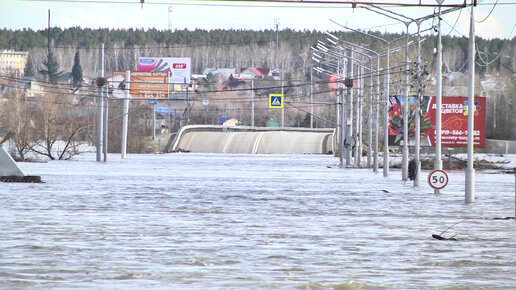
[{"x": 275, "y": 101}]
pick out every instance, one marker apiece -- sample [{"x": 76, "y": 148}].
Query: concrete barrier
[
  {"x": 8, "y": 166},
  {"x": 252, "y": 140}
]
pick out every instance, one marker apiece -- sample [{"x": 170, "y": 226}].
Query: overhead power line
[{"x": 285, "y": 3}]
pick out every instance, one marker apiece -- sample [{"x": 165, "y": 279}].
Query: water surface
[{"x": 213, "y": 221}]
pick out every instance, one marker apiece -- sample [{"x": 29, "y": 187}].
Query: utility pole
[
  {"x": 311, "y": 98},
  {"x": 106, "y": 122},
  {"x": 48, "y": 33},
  {"x": 371, "y": 118},
  {"x": 404, "y": 151},
  {"x": 376, "y": 112},
  {"x": 358, "y": 110},
  {"x": 438, "y": 165},
  {"x": 125, "y": 119},
  {"x": 100, "y": 102},
  {"x": 252, "y": 97},
  {"x": 470, "y": 171},
  {"x": 349, "y": 103},
  {"x": 153, "y": 120},
  {"x": 339, "y": 109},
  {"x": 276, "y": 24},
  {"x": 252, "y": 102},
  {"x": 282, "y": 93},
  {"x": 417, "y": 121}
]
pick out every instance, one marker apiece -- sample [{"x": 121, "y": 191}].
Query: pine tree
[
  {"x": 76, "y": 71},
  {"x": 29, "y": 71},
  {"x": 52, "y": 68}
]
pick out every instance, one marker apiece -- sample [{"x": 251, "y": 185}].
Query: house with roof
[
  {"x": 30, "y": 85},
  {"x": 255, "y": 72}
]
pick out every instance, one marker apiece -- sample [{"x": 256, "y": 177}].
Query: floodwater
[{"x": 214, "y": 221}]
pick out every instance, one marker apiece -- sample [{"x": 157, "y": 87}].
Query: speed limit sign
[{"x": 438, "y": 179}]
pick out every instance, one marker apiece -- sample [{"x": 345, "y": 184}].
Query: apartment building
[{"x": 12, "y": 62}]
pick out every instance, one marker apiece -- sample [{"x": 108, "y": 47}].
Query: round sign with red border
[{"x": 438, "y": 179}]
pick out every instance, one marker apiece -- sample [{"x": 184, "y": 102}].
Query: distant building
[
  {"x": 222, "y": 71},
  {"x": 30, "y": 86},
  {"x": 13, "y": 62},
  {"x": 255, "y": 72}
]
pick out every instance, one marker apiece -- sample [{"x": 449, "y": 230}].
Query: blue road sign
[{"x": 276, "y": 101}]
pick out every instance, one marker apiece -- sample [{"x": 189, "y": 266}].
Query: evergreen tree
[
  {"x": 51, "y": 70},
  {"x": 29, "y": 71},
  {"x": 76, "y": 71}
]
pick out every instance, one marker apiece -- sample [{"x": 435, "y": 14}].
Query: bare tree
[{"x": 60, "y": 124}]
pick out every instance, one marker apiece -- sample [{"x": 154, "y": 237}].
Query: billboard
[
  {"x": 179, "y": 68},
  {"x": 454, "y": 121},
  {"x": 143, "y": 85}
]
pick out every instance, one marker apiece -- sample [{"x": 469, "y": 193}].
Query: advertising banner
[
  {"x": 143, "y": 85},
  {"x": 179, "y": 68},
  {"x": 454, "y": 121}
]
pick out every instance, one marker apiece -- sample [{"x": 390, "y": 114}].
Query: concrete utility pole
[
  {"x": 252, "y": 102},
  {"x": 48, "y": 33},
  {"x": 470, "y": 171},
  {"x": 417, "y": 110},
  {"x": 339, "y": 108},
  {"x": 100, "y": 103},
  {"x": 153, "y": 108},
  {"x": 276, "y": 25},
  {"x": 404, "y": 152},
  {"x": 358, "y": 110},
  {"x": 106, "y": 122},
  {"x": 348, "y": 112},
  {"x": 282, "y": 93},
  {"x": 438, "y": 164},
  {"x": 125, "y": 119},
  {"x": 252, "y": 97},
  {"x": 311, "y": 98}
]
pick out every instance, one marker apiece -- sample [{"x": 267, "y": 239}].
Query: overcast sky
[{"x": 209, "y": 15}]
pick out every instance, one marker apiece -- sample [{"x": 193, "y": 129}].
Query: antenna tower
[{"x": 170, "y": 17}]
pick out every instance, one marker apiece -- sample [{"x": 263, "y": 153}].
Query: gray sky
[{"x": 246, "y": 15}]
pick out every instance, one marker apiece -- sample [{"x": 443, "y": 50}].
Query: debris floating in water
[
  {"x": 439, "y": 237},
  {"x": 18, "y": 178}
]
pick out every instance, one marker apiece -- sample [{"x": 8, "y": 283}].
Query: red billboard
[{"x": 454, "y": 121}]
